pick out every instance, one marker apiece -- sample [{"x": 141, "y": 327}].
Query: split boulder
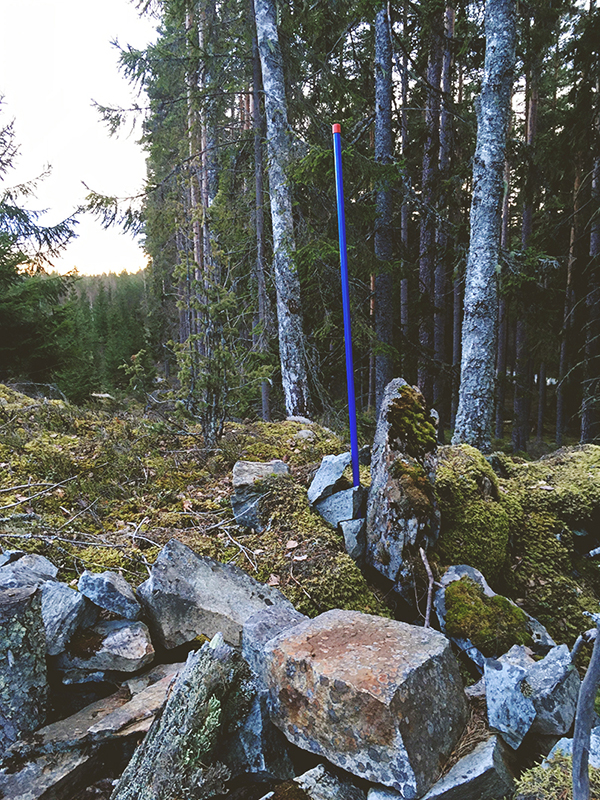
[
  {"x": 381, "y": 699},
  {"x": 401, "y": 511},
  {"x": 188, "y": 595}
]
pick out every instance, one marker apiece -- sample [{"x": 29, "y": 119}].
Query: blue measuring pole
[{"x": 339, "y": 188}]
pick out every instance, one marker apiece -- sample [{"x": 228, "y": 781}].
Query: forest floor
[{"x": 106, "y": 486}]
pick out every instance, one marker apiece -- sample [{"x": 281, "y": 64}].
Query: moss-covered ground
[
  {"x": 528, "y": 531},
  {"x": 105, "y": 489}
]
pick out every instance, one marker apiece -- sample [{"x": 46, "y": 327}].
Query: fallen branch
[
  {"x": 243, "y": 549},
  {"x": 24, "y": 486}
]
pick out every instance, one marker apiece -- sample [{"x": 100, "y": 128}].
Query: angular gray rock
[
  {"x": 57, "y": 776},
  {"x": 483, "y": 774},
  {"x": 188, "y": 595},
  {"x": 247, "y": 494},
  {"x": 23, "y": 677},
  {"x": 64, "y": 611},
  {"x": 523, "y": 694},
  {"x": 509, "y": 712},
  {"x": 400, "y": 514},
  {"x": 321, "y": 783},
  {"x": 342, "y": 506},
  {"x": 28, "y": 569},
  {"x": 328, "y": 477},
  {"x": 119, "y": 645},
  {"x": 553, "y": 685},
  {"x": 110, "y": 591},
  {"x": 355, "y": 538},
  {"x": 210, "y": 697},
  {"x": 258, "y": 748},
  {"x": 381, "y": 699},
  {"x": 259, "y": 629}
]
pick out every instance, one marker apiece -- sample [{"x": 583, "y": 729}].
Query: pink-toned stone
[{"x": 379, "y": 698}]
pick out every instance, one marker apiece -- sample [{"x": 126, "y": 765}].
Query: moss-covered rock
[
  {"x": 410, "y": 423},
  {"x": 493, "y": 624},
  {"x": 474, "y": 523}
]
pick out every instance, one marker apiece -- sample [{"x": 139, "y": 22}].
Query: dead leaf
[
  {"x": 292, "y": 543},
  {"x": 274, "y": 580},
  {"x": 300, "y": 558}
]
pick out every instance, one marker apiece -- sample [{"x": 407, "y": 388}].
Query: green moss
[
  {"x": 416, "y": 489},
  {"x": 474, "y": 522},
  {"x": 553, "y": 781},
  {"x": 493, "y": 624},
  {"x": 565, "y": 483},
  {"x": 411, "y": 424}
]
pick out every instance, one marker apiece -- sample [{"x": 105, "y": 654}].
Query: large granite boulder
[
  {"x": 248, "y": 489},
  {"x": 401, "y": 510},
  {"x": 64, "y": 611},
  {"x": 188, "y": 595},
  {"x": 110, "y": 591},
  {"x": 23, "y": 684},
  {"x": 381, "y": 699},
  {"x": 119, "y": 645}
]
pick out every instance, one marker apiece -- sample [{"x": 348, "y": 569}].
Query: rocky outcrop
[
  {"x": 248, "y": 489},
  {"x": 23, "y": 678},
  {"x": 188, "y": 595},
  {"x": 379, "y": 698},
  {"x": 401, "y": 511}
]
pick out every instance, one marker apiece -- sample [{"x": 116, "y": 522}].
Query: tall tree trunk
[
  {"x": 292, "y": 354},
  {"x": 441, "y": 273},
  {"x": 567, "y": 326},
  {"x": 476, "y": 396},
  {"x": 591, "y": 380},
  {"x": 522, "y": 399},
  {"x": 429, "y": 193},
  {"x": 404, "y": 210},
  {"x": 383, "y": 224},
  {"x": 503, "y": 310},
  {"x": 259, "y": 135}
]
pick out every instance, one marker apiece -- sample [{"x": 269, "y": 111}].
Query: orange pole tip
[{"x": 337, "y": 128}]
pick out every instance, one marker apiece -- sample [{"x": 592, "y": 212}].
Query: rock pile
[{"x": 379, "y": 703}]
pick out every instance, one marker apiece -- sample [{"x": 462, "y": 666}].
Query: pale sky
[{"x": 55, "y": 58}]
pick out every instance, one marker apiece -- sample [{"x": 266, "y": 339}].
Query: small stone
[
  {"x": 342, "y": 506},
  {"x": 245, "y": 501},
  {"x": 305, "y": 435},
  {"x": 509, "y": 712},
  {"x": 118, "y": 645},
  {"x": 355, "y": 537},
  {"x": 29, "y": 569},
  {"x": 553, "y": 684},
  {"x": 64, "y": 611},
  {"x": 110, "y": 591},
  {"x": 328, "y": 477},
  {"x": 482, "y": 774},
  {"x": 565, "y": 746}
]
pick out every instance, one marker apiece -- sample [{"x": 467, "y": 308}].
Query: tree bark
[
  {"x": 503, "y": 310},
  {"x": 259, "y": 135},
  {"x": 383, "y": 224},
  {"x": 476, "y": 394},
  {"x": 591, "y": 366},
  {"x": 404, "y": 210},
  {"x": 442, "y": 268},
  {"x": 292, "y": 354},
  {"x": 429, "y": 195}
]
